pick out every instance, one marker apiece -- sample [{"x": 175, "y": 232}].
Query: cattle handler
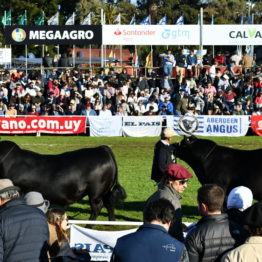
[
  {"x": 163, "y": 154},
  {"x": 173, "y": 182}
]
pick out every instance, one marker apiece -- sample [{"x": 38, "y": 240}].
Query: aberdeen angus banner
[
  {"x": 48, "y": 35},
  {"x": 256, "y": 124},
  {"x": 42, "y": 124},
  {"x": 210, "y": 125}
]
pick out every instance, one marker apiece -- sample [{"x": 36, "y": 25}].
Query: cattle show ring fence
[{"x": 132, "y": 126}]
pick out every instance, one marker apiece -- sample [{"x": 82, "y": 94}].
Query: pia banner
[
  {"x": 99, "y": 244},
  {"x": 209, "y": 125},
  {"x": 42, "y": 124},
  {"x": 256, "y": 124},
  {"x": 139, "y": 126},
  {"x": 56, "y": 34}
]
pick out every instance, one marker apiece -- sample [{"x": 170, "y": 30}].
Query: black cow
[
  {"x": 221, "y": 165},
  {"x": 65, "y": 178}
]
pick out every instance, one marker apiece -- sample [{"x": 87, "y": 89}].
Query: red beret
[{"x": 177, "y": 171}]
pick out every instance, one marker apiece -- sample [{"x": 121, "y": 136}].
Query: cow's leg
[
  {"x": 109, "y": 205},
  {"x": 96, "y": 206}
]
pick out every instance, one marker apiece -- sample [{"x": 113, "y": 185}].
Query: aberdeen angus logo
[
  {"x": 19, "y": 35},
  {"x": 188, "y": 124}
]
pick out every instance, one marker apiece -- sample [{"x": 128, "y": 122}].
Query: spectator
[
  {"x": 63, "y": 61},
  {"x": 59, "y": 246},
  {"x": 220, "y": 59},
  {"x": 207, "y": 59},
  {"x": 36, "y": 199},
  {"x": 238, "y": 111},
  {"x": 191, "y": 63},
  {"x": 150, "y": 111},
  {"x": 173, "y": 182},
  {"x": 163, "y": 154},
  {"x": 239, "y": 199},
  {"x": 168, "y": 105},
  {"x": 88, "y": 111},
  {"x": 105, "y": 111},
  {"x": 180, "y": 101},
  {"x": 214, "y": 234},
  {"x": 151, "y": 242},
  {"x": 251, "y": 250},
  {"x": 247, "y": 61},
  {"x": 166, "y": 84},
  {"x": 180, "y": 65},
  {"x": 47, "y": 60},
  {"x": 141, "y": 84},
  {"x": 11, "y": 111},
  {"x": 24, "y": 230},
  {"x": 169, "y": 62}
]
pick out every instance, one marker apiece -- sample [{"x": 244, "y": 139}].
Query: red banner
[
  {"x": 256, "y": 124},
  {"x": 42, "y": 124}
]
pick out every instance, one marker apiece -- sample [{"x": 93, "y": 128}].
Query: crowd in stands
[{"x": 219, "y": 87}]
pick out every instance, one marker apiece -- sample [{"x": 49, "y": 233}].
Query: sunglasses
[{"x": 182, "y": 182}]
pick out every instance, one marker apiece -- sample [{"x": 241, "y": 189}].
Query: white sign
[
  {"x": 232, "y": 35},
  {"x": 151, "y": 34},
  {"x": 5, "y": 56},
  {"x": 215, "y": 125},
  {"x": 139, "y": 126},
  {"x": 99, "y": 244}
]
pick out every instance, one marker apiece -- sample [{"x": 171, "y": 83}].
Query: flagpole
[
  {"x": 5, "y": 22},
  {"x": 26, "y": 59},
  {"x": 90, "y": 52},
  {"x": 102, "y": 47},
  {"x": 201, "y": 36}
]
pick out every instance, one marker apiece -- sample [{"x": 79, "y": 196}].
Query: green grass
[{"x": 134, "y": 158}]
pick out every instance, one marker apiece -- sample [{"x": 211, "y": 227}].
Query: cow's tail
[{"x": 117, "y": 192}]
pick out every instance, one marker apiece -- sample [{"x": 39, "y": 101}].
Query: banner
[
  {"x": 151, "y": 34},
  {"x": 42, "y": 124},
  {"x": 105, "y": 126},
  {"x": 211, "y": 125},
  {"x": 138, "y": 126},
  {"x": 100, "y": 244},
  {"x": 256, "y": 124},
  {"x": 50, "y": 35},
  {"x": 5, "y": 56}
]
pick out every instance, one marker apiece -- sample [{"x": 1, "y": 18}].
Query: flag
[
  {"x": 146, "y": 21},
  {"x": 133, "y": 20},
  {"x": 135, "y": 60},
  {"x": 198, "y": 19},
  {"x": 6, "y": 19},
  {"x": 212, "y": 20},
  {"x": 117, "y": 20},
  {"x": 70, "y": 20},
  {"x": 149, "y": 60},
  {"x": 23, "y": 19},
  {"x": 87, "y": 20},
  {"x": 163, "y": 21},
  {"x": 180, "y": 20},
  {"x": 111, "y": 54},
  {"x": 54, "y": 20},
  {"x": 40, "y": 19}
]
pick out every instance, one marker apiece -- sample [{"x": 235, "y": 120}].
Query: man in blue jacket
[
  {"x": 151, "y": 242},
  {"x": 24, "y": 231}
]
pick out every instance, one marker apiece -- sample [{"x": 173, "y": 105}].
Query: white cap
[{"x": 169, "y": 132}]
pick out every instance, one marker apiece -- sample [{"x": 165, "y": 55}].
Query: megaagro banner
[
  {"x": 139, "y": 126},
  {"x": 50, "y": 35},
  {"x": 42, "y": 124},
  {"x": 256, "y": 124},
  {"x": 99, "y": 244},
  {"x": 209, "y": 125}
]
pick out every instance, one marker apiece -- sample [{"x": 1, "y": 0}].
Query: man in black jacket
[
  {"x": 163, "y": 154},
  {"x": 214, "y": 234},
  {"x": 24, "y": 231}
]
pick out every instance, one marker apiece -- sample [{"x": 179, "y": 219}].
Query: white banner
[
  {"x": 5, "y": 56},
  {"x": 139, "y": 126},
  {"x": 151, "y": 35},
  {"x": 215, "y": 125},
  {"x": 105, "y": 126},
  {"x": 100, "y": 244}
]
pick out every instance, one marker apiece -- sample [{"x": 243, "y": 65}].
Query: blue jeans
[{"x": 168, "y": 70}]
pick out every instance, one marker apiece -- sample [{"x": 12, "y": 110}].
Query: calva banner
[
  {"x": 42, "y": 124},
  {"x": 139, "y": 126},
  {"x": 99, "y": 244},
  {"x": 209, "y": 125},
  {"x": 56, "y": 34},
  {"x": 256, "y": 124}
]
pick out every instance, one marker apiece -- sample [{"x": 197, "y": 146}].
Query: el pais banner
[{"x": 71, "y": 34}]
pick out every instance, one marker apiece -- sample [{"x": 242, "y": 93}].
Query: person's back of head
[
  {"x": 8, "y": 191},
  {"x": 36, "y": 199},
  {"x": 160, "y": 210},
  {"x": 212, "y": 197}
]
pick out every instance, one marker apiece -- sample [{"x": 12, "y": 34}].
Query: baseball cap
[{"x": 177, "y": 172}]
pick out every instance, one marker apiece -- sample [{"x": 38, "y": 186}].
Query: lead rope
[{"x": 6, "y": 155}]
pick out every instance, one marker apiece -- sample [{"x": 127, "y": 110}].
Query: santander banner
[
  {"x": 151, "y": 35},
  {"x": 43, "y": 124}
]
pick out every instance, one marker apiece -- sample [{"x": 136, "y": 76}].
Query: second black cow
[{"x": 221, "y": 165}]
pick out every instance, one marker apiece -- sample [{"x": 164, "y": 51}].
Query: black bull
[
  {"x": 221, "y": 165},
  {"x": 65, "y": 178}
]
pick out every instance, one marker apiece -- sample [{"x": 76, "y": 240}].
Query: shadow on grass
[{"x": 191, "y": 212}]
